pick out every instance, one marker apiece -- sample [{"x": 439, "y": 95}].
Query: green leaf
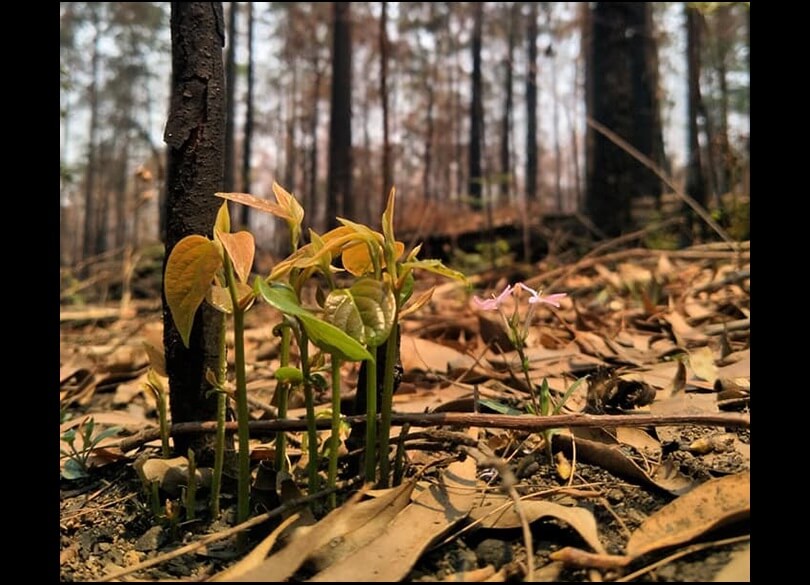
[
  {"x": 280, "y": 296},
  {"x": 499, "y": 407},
  {"x": 325, "y": 335},
  {"x": 332, "y": 340},
  {"x": 289, "y": 374},
  {"x": 73, "y": 470},
  {"x": 435, "y": 266},
  {"x": 365, "y": 311},
  {"x": 111, "y": 432},
  {"x": 189, "y": 271}
]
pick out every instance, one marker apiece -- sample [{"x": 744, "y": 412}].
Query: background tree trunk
[
  {"x": 339, "y": 198},
  {"x": 505, "y": 181},
  {"x": 230, "y": 103},
  {"x": 388, "y": 178},
  {"x": 247, "y": 150},
  {"x": 195, "y": 138},
  {"x": 622, "y": 99},
  {"x": 90, "y": 225},
  {"x": 476, "y": 112},
  {"x": 695, "y": 175},
  {"x": 531, "y": 107}
]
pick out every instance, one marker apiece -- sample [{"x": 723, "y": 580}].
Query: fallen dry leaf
[
  {"x": 498, "y": 511},
  {"x": 432, "y": 513},
  {"x": 708, "y": 506}
]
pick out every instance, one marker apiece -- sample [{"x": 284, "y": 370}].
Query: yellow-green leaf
[
  {"x": 357, "y": 259},
  {"x": 388, "y": 218},
  {"x": 418, "y": 303},
  {"x": 223, "y": 221},
  {"x": 435, "y": 266},
  {"x": 190, "y": 269},
  {"x": 293, "y": 209},
  {"x": 241, "y": 248},
  {"x": 256, "y": 203}
]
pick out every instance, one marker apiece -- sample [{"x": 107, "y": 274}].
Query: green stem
[
  {"x": 524, "y": 366},
  {"x": 242, "y": 414},
  {"x": 283, "y": 393},
  {"x": 191, "y": 490},
  {"x": 371, "y": 418},
  {"x": 334, "y": 443},
  {"x": 164, "y": 425},
  {"x": 222, "y": 407},
  {"x": 312, "y": 431},
  {"x": 391, "y": 352}
]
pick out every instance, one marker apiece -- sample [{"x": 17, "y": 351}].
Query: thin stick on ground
[
  {"x": 463, "y": 419},
  {"x": 508, "y": 483}
]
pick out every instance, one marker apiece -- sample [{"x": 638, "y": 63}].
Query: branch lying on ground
[{"x": 496, "y": 421}]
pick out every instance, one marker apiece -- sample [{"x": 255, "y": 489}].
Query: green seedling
[
  {"x": 154, "y": 385},
  {"x": 76, "y": 466}
]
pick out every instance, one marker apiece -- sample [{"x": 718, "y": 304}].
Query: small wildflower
[
  {"x": 495, "y": 302},
  {"x": 538, "y": 298}
]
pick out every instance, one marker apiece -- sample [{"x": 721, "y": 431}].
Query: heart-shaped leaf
[
  {"x": 241, "y": 248},
  {"x": 190, "y": 269},
  {"x": 325, "y": 335},
  {"x": 365, "y": 311}
]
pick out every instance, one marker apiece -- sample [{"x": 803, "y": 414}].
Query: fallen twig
[{"x": 496, "y": 421}]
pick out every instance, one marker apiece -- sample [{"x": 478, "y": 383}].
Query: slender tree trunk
[
  {"x": 339, "y": 200},
  {"x": 695, "y": 177},
  {"x": 476, "y": 112},
  {"x": 558, "y": 195},
  {"x": 313, "y": 153},
  {"x": 505, "y": 182},
  {"x": 230, "y": 102},
  {"x": 531, "y": 107},
  {"x": 90, "y": 226},
  {"x": 121, "y": 214},
  {"x": 428, "y": 154},
  {"x": 196, "y": 144},
  {"x": 247, "y": 150},
  {"x": 290, "y": 158},
  {"x": 388, "y": 179}
]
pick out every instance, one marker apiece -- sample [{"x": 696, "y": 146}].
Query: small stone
[
  {"x": 132, "y": 557},
  {"x": 104, "y": 546},
  {"x": 151, "y": 539},
  {"x": 615, "y": 496},
  {"x": 492, "y": 551}
]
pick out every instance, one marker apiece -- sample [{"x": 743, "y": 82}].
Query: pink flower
[
  {"x": 538, "y": 298},
  {"x": 495, "y": 302}
]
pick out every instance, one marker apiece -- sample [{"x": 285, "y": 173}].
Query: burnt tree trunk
[
  {"x": 695, "y": 174},
  {"x": 388, "y": 179},
  {"x": 196, "y": 144},
  {"x": 505, "y": 182},
  {"x": 476, "y": 178},
  {"x": 90, "y": 225},
  {"x": 247, "y": 150},
  {"x": 622, "y": 86},
  {"x": 531, "y": 107},
  {"x": 230, "y": 103},
  {"x": 339, "y": 197}
]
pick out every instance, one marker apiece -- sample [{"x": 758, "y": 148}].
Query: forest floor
[{"x": 660, "y": 335}]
